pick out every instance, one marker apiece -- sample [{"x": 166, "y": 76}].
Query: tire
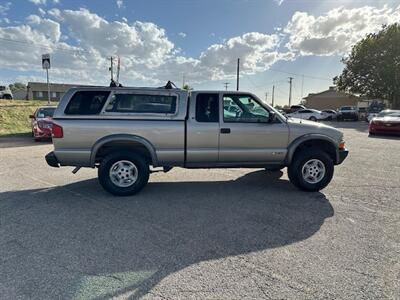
[
  {"x": 312, "y": 118},
  {"x": 133, "y": 176},
  {"x": 295, "y": 170}
]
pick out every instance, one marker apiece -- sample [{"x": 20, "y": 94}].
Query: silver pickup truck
[{"x": 124, "y": 131}]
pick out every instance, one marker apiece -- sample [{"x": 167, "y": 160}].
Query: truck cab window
[
  {"x": 207, "y": 108},
  {"x": 243, "y": 108}
]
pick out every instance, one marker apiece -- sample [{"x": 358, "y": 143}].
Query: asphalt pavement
[{"x": 201, "y": 234}]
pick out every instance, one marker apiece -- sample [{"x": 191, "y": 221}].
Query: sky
[{"x": 198, "y": 41}]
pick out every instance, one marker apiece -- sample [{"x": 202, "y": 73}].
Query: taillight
[{"x": 57, "y": 131}]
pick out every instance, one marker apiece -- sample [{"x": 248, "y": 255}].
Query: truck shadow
[{"x": 76, "y": 241}]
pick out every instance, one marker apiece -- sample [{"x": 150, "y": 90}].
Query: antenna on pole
[
  {"x": 226, "y": 85},
  {"x": 183, "y": 80},
  {"x": 118, "y": 69},
  {"x": 302, "y": 86},
  {"x": 237, "y": 74},
  {"x": 290, "y": 91}
]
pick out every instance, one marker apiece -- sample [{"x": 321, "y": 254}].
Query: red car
[
  {"x": 387, "y": 122},
  {"x": 42, "y": 123}
]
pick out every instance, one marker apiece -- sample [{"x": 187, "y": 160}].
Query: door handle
[{"x": 225, "y": 130}]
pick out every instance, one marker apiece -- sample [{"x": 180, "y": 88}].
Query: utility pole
[
  {"x": 273, "y": 94},
  {"x": 302, "y": 86},
  {"x": 290, "y": 91},
  {"x": 237, "y": 74},
  {"x": 112, "y": 69},
  {"x": 183, "y": 80},
  {"x": 226, "y": 85},
  {"x": 266, "y": 97}
]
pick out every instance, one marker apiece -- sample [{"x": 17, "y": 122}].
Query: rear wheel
[
  {"x": 123, "y": 173},
  {"x": 311, "y": 171}
]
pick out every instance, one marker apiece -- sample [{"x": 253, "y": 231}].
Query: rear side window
[
  {"x": 141, "y": 103},
  {"x": 86, "y": 103},
  {"x": 207, "y": 108}
]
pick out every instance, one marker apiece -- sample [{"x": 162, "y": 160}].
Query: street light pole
[{"x": 48, "y": 87}]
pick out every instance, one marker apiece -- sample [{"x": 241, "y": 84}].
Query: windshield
[
  {"x": 346, "y": 108},
  {"x": 45, "y": 112},
  {"x": 2, "y": 88},
  {"x": 387, "y": 112}
]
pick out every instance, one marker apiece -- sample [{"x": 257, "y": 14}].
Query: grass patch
[{"x": 14, "y": 116}]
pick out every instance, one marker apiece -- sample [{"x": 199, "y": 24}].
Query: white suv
[{"x": 309, "y": 114}]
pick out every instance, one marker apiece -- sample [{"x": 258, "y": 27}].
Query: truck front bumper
[
  {"x": 51, "y": 160},
  {"x": 342, "y": 155}
]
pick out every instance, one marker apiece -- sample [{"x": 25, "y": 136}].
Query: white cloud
[
  {"x": 56, "y": 1},
  {"x": 142, "y": 42},
  {"x": 80, "y": 51},
  {"x": 279, "y": 2},
  {"x": 182, "y": 34},
  {"x": 55, "y": 13},
  {"x": 257, "y": 52},
  {"x": 4, "y": 8},
  {"x": 49, "y": 28},
  {"x": 336, "y": 31},
  {"x": 38, "y": 2},
  {"x": 42, "y": 12},
  {"x": 120, "y": 3}
]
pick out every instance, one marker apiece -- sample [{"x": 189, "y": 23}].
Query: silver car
[{"x": 124, "y": 131}]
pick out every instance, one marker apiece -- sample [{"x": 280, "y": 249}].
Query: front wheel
[
  {"x": 123, "y": 173},
  {"x": 311, "y": 171},
  {"x": 312, "y": 118}
]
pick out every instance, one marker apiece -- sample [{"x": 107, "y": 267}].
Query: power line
[
  {"x": 297, "y": 74},
  {"x": 43, "y": 46}
]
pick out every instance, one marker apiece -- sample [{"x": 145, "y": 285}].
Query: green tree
[
  {"x": 187, "y": 87},
  {"x": 17, "y": 86},
  {"x": 373, "y": 67}
]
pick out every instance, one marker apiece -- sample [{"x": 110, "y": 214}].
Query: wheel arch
[
  {"x": 313, "y": 140},
  {"x": 124, "y": 141}
]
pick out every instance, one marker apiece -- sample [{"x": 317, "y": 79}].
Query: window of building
[
  {"x": 86, "y": 103},
  {"x": 207, "y": 108},
  {"x": 39, "y": 94},
  {"x": 53, "y": 94},
  {"x": 142, "y": 103}
]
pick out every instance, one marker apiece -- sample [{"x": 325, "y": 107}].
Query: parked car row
[
  {"x": 342, "y": 114},
  {"x": 386, "y": 122}
]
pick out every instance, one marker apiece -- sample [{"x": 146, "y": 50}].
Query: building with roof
[
  {"x": 330, "y": 99},
  {"x": 38, "y": 90}
]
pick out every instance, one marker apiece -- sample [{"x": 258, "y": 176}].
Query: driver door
[{"x": 246, "y": 135}]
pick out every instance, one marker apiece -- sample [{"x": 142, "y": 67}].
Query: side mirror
[
  {"x": 31, "y": 116},
  {"x": 272, "y": 117}
]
